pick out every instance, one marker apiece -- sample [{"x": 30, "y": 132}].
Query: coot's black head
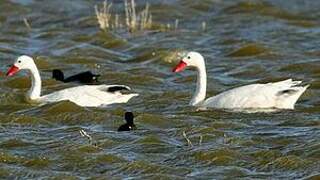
[
  {"x": 129, "y": 125},
  {"x": 128, "y": 116},
  {"x": 57, "y": 74}
]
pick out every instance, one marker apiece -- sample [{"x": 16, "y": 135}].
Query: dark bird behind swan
[{"x": 86, "y": 77}]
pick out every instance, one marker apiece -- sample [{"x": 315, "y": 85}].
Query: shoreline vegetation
[{"x": 132, "y": 20}]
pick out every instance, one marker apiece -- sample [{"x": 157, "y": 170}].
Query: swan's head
[
  {"x": 192, "y": 59},
  {"x": 22, "y": 62}
]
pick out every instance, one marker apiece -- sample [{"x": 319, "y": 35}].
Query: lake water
[{"x": 242, "y": 41}]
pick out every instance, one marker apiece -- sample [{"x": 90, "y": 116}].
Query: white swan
[
  {"x": 279, "y": 95},
  {"x": 86, "y": 96}
]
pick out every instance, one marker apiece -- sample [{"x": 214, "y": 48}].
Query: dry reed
[
  {"x": 104, "y": 15},
  {"x": 145, "y": 18},
  {"x": 187, "y": 139},
  {"x": 133, "y": 21},
  {"x": 25, "y": 20},
  {"x": 83, "y": 133}
]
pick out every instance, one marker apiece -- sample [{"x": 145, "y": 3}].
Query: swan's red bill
[
  {"x": 14, "y": 69},
  {"x": 180, "y": 67}
]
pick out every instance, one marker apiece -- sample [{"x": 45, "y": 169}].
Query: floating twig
[
  {"x": 200, "y": 140},
  {"x": 226, "y": 139},
  {"x": 187, "y": 139},
  {"x": 176, "y": 24},
  {"x": 25, "y": 20},
  {"x": 204, "y": 26},
  {"x": 85, "y": 134}
]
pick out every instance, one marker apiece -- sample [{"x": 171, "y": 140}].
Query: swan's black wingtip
[{"x": 116, "y": 88}]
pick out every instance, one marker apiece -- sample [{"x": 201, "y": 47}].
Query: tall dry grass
[
  {"x": 104, "y": 15},
  {"x": 145, "y": 18},
  {"x": 133, "y": 20}
]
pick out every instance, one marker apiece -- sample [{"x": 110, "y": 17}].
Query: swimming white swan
[
  {"x": 280, "y": 95},
  {"x": 86, "y": 96}
]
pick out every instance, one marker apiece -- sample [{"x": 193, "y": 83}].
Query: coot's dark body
[{"x": 84, "y": 77}]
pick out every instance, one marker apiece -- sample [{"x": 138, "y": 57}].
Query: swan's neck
[
  {"x": 35, "y": 91},
  {"x": 200, "y": 93}
]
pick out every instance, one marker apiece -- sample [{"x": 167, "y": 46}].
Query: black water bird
[
  {"x": 128, "y": 116},
  {"x": 86, "y": 77}
]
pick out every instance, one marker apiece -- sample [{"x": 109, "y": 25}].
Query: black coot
[
  {"x": 84, "y": 77},
  {"x": 128, "y": 116}
]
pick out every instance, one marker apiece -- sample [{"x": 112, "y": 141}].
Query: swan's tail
[
  {"x": 132, "y": 95},
  {"x": 126, "y": 97},
  {"x": 289, "y": 93}
]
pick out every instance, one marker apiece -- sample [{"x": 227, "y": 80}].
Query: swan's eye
[
  {"x": 189, "y": 57},
  {"x": 19, "y": 61}
]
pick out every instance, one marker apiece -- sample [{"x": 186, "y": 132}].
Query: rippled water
[{"x": 244, "y": 42}]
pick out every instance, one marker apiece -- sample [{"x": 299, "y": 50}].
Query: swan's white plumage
[
  {"x": 281, "y": 95},
  {"x": 87, "y": 95},
  {"x": 270, "y": 95}
]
